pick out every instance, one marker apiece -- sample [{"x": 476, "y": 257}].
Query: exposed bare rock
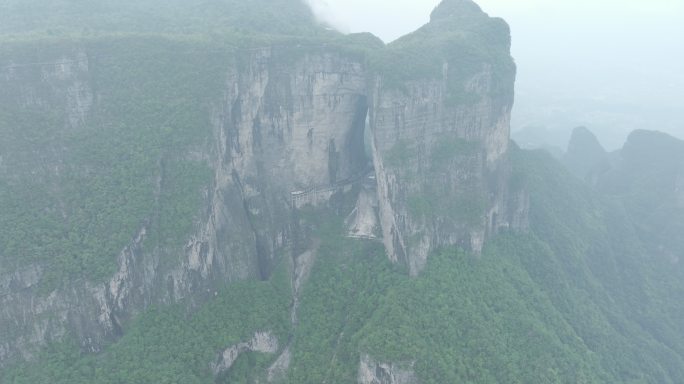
[
  {"x": 278, "y": 370},
  {"x": 362, "y": 222},
  {"x": 281, "y": 125},
  {"x": 374, "y": 372},
  {"x": 287, "y": 131},
  {"x": 440, "y": 145},
  {"x": 263, "y": 342}
]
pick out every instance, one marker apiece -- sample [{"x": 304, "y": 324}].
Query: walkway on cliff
[{"x": 312, "y": 193}]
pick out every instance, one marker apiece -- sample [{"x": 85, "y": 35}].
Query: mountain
[
  {"x": 228, "y": 192},
  {"x": 440, "y": 119},
  {"x": 644, "y": 176},
  {"x": 146, "y": 169},
  {"x": 647, "y": 179},
  {"x": 585, "y": 156},
  {"x": 533, "y": 137}
]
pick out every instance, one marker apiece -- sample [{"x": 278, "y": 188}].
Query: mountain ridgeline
[{"x": 230, "y": 192}]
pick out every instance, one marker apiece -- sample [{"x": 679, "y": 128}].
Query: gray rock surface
[
  {"x": 287, "y": 120},
  {"x": 263, "y": 342},
  {"x": 442, "y": 168},
  {"x": 374, "y": 372},
  {"x": 278, "y": 128},
  {"x": 363, "y": 221}
]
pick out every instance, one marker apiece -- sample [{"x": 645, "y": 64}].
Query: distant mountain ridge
[
  {"x": 227, "y": 192},
  {"x": 585, "y": 156}
]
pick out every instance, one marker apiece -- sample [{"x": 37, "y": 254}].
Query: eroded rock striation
[
  {"x": 417, "y": 133},
  {"x": 278, "y": 128},
  {"x": 441, "y": 135}
]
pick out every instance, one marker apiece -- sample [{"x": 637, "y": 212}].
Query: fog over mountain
[
  {"x": 231, "y": 191},
  {"x": 612, "y": 66}
]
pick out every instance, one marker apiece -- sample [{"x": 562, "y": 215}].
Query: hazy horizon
[
  {"x": 613, "y": 67},
  {"x": 232, "y": 191}
]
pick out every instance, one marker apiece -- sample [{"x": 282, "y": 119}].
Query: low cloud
[{"x": 325, "y": 14}]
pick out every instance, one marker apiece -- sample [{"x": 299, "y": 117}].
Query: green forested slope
[
  {"x": 460, "y": 36},
  {"x": 74, "y": 195},
  {"x": 576, "y": 300},
  {"x": 173, "y": 344},
  {"x": 647, "y": 178}
]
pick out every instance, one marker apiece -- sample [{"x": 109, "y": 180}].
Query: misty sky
[{"x": 612, "y": 65}]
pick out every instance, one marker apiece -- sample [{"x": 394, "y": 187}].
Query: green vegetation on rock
[
  {"x": 459, "y": 42},
  {"x": 104, "y": 130},
  {"x": 174, "y": 344},
  {"x": 154, "y": 16},
  {"x": 574, "y": 300},
  {"x": 76, "y": 192}
]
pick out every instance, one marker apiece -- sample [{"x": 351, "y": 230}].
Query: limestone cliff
[
  {"x": 585, "y": 156},
  {"x": 280, "y": 125},
  {"x": 273, "y": 126},
  {"x": 441, "y": 134}
]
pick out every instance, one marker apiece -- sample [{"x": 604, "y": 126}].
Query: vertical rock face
[
  {"x": 440, "y": 140},
  {"x": 287, "y": 119},
  {"x": 62, "y": 88},
  {"x": 283, "y": 124},
  {"x": 296, "y": 125},
  {"x": 281, "y": 127}
]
